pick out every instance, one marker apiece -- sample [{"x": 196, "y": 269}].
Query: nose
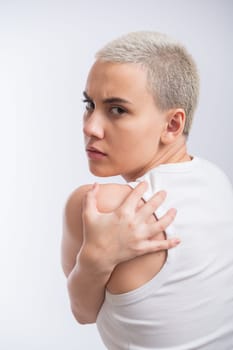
[{"x": 93, "y": 126}]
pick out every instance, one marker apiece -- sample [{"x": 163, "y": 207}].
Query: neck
[{"x": 174, "y": 153}]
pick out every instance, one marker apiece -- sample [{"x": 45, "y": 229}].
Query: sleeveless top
[{"x": 189, "y": 303}]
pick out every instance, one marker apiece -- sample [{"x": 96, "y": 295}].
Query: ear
[{"x": 174, "y": 125}]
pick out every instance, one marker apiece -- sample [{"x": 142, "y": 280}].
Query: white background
[{"x": 46, "y": 49}]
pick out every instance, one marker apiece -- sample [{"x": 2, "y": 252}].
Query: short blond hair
[{"x": 173, "y": 79}]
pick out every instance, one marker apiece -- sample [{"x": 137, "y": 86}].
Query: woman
[{"x": 140, "y": 97}]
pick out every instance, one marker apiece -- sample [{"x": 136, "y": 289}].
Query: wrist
[{"x": 95, "y": 262}]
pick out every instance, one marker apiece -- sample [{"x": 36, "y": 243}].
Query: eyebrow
[{"x": 109, "y": 99}]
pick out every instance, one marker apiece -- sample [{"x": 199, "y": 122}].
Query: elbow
[{"x": 81, "y": 319}]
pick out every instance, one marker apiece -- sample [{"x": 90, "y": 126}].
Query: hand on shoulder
[{"x": 109, "y": 224}]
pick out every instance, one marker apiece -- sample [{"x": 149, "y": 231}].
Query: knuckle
[
  {"x": 138, "y": 250},
  {"x": 161, "y": 225},
  {"x": 162, "y": 246},
  {"x": 153, "y": 203},
  {"x": 124, "y": 214},
  {"x": 132, "y": 226}
]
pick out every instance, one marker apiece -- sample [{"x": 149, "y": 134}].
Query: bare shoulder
[
  {"x": 109, "y": 197},
  {"x": 126, "y": 276}
]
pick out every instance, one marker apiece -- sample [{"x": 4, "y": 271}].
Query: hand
[{"x": 124, "y": 233}]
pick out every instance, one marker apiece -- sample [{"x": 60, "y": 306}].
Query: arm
[
  {"x": 82, "y": 287},
  {"x": 91, "y": 252}
]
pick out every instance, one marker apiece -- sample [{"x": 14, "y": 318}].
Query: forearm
[{"x": 86, "y": 286}]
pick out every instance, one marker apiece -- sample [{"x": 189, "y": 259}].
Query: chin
[{"x": 102, "y": 172}]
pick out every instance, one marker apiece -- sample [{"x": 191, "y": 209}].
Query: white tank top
[{"x": 189, "y": 303}]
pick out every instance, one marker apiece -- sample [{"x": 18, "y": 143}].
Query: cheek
[
  {"x": 137, "y": 147},
  {"x": 139, "y": 138},
  {"x": 135, "y": 138},
  {"x": 126, "y": 147}
]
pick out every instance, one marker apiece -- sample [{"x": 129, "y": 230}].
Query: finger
[
  {"x": 155, "y": 246},
  {"x": 90, "y": 202},
  {"x": 151, "y": 205},
  {"x": 135, "y": 196},
  {"x": 161, "y": 225}
]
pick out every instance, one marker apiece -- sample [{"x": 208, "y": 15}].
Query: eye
[
  {"x": 89, "y": 105},
  {"x": 117, "y": 110}
]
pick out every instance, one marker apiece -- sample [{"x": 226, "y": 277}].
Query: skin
[
  {"x": 125, "y": 134},
  {"x": 135, "y": 135},
  {"x": 107, "y": 230}
]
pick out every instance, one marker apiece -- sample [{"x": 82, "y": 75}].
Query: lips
[
  {"x": 95, "y": 153},
  {"x": 94, "y": 149}
]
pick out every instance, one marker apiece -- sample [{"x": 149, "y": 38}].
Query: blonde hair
[{"x": 173, "y": 79}]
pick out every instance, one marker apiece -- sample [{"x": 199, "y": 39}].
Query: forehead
[{"x": 117, "y": 79}]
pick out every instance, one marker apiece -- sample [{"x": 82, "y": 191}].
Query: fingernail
[
  {"x": 176, "y": 240},
  {"x": 162, "y": 193},
  {"x": 173, "y": 211}
]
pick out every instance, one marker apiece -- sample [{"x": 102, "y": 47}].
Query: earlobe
[{"x": 174, "y": 126}]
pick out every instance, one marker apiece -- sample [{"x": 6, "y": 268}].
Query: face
[{"x": 122, "y": 125}]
